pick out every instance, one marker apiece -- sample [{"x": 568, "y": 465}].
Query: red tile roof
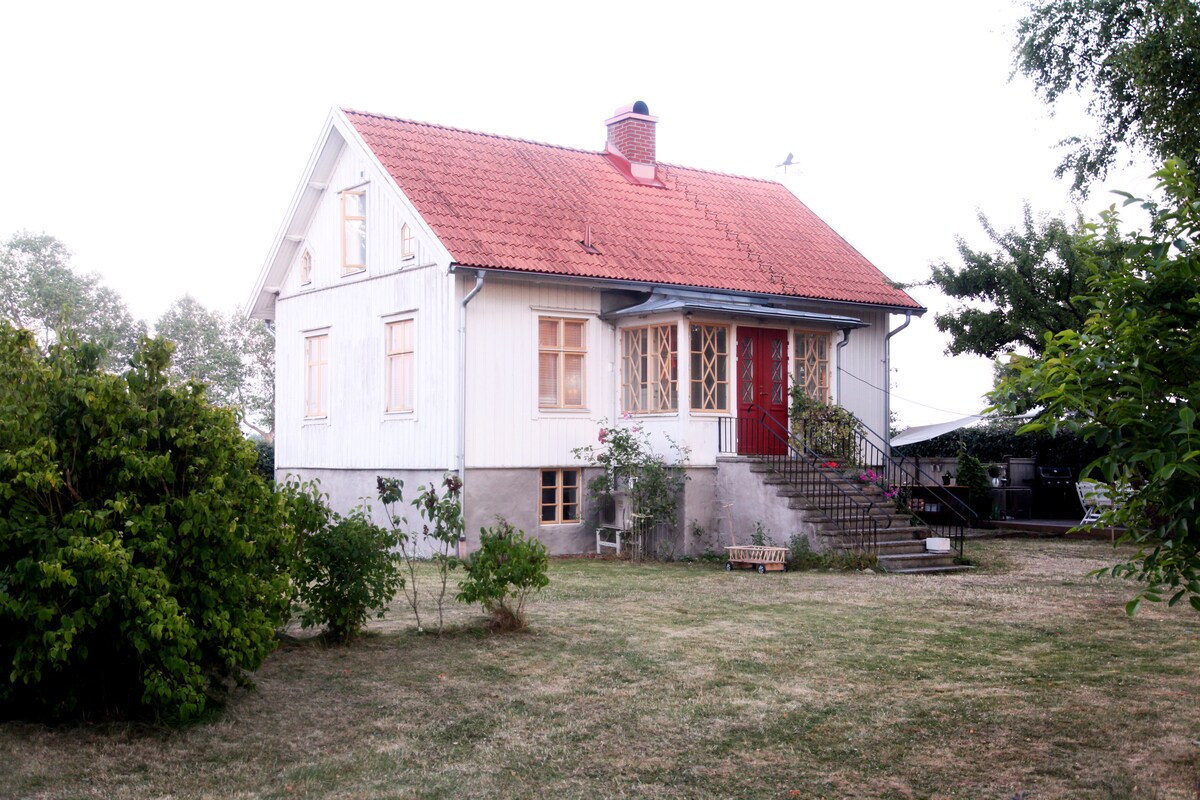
[{"x": 512, "y": 204}]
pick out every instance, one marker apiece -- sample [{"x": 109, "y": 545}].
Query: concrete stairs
[{"x": 900, "y": 538}]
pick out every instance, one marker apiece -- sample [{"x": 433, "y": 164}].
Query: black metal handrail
[
  {"x": 853, "y": 513},
  {"x": 934, "y": 505}
]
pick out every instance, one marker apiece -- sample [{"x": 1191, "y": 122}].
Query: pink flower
[
  {"x": 603, "y": 435},
  {"x": 637, "y": 428},
  {"x": 627, "y": 415}
]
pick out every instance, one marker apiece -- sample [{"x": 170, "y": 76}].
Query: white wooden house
[{"x": 448, "y": 300}]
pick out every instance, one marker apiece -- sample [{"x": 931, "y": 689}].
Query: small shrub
[
  {"x": 802, "y": 556},
  {"x": 443, "y": 526},
  {"x": 347, "y": 570},
  {"x": 761, "y": 536},
  {"x": 502, "y": 573}
]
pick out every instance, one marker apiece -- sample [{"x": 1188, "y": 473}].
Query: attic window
[
  {"x": 306, "y": 268},
  {"x": 406, "y": 241},
  {"x": 354, "y": 231}
]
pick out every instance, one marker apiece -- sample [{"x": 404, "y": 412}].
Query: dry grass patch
[{"x": 682, "y": 681}]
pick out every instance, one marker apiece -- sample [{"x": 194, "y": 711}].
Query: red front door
[{"x": 762, "y": 360}]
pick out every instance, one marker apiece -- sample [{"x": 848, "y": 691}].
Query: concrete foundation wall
[
  {"x": 753, "y": 502},
  {"x": 350, "y": 488}
]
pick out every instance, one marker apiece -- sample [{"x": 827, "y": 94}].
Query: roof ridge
[
  {"x": 551, "y": 145},
  {"x": 469, "y": 131}
]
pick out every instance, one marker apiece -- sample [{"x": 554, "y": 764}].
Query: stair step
[
  {"x": 900, "y": 547},
  {"x": 909, "y": 560},
  {"x": 927, "y": 570}
]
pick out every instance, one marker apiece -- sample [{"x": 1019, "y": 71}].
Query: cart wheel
[
  {"x": 729, "y": 566},
  {"x": 762, "y": 569}
]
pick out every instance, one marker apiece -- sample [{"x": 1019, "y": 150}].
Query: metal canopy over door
[{"x": 762, "y": 361}]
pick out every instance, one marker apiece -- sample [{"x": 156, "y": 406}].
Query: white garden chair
[{"x": 1096, "y": 498}]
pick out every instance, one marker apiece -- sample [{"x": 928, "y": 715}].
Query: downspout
[
  {"x": 461, "y": 437},
  {"x": 837, "y": 383},
  {"x": 887, "y": 384}
]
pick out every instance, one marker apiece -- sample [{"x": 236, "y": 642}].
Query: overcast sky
[{"x": 163, "y": 142}]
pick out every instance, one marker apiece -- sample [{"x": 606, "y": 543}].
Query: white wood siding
[
  {"x": 354, "y": 309},
  {"x": 505, "y": 427}
]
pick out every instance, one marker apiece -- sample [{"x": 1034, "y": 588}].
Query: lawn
[{"x": 1023, "y": 678}]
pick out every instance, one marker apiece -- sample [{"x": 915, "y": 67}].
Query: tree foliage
[
  {"x": 39, "y": 291},
  {"x": 235, "y": 356},
  {"x": 1139, "y": 62},
  {"x": 1128, "y": 379},
  {"x": 142, "y": 559},
  {"x": 1020, "y": 291}
]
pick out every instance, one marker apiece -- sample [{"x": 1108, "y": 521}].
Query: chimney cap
[{"x": 638, "y": 107}]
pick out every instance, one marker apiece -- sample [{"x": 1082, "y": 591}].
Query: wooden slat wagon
[{"x": 764, "y": 559}]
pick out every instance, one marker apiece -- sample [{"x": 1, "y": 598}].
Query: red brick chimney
[{"x": 631, "y": 136}]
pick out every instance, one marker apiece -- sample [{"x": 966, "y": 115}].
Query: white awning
[{"x": 919, "y": 433}]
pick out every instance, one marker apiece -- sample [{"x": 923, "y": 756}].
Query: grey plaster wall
[
  {"x": 514, "y": 494},
  {"x": 751, "y": 501},
  {"x": 349, "y": 488}
]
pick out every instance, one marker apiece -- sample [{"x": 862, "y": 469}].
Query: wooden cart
[{"x": 763, "y": 559}]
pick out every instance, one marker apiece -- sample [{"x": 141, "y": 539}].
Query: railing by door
[{"x": 934, "y": 505}]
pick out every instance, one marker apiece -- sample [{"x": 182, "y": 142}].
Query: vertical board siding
[
  {"x": 354, "y": 309},
  {"x": 863, "y": 379},
  {"x": 505, "y": 427}
]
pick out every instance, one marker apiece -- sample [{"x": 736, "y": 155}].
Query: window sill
[
  {"x": 399, "y": 416},
  {"x": 315, "y": 421}
]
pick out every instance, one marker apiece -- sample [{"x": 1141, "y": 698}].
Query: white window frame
[
  {"x": 316, "y": 408},
  {"x": 390, "y": 360},
  {"x": 349, "y": 268}
]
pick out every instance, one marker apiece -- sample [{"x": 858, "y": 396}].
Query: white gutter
[
  {"x": 887, "y": 384},
  {"x": 461, "y": 437},
  {"x": 837, "y": 384}
]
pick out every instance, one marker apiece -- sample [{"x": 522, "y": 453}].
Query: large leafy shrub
[
  {"x": 830, "y": 431},
  {"x": 348, "y": 567},
  {"x": 502, "y": 573},
  {"x": 142, "y": 558}
]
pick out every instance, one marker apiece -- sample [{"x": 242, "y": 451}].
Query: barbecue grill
[{"x": 1054, "y": 495}]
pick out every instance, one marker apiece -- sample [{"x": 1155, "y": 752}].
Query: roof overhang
[
  {"x": 772, "y": 300},
  {"x": 687, "y": 302}
]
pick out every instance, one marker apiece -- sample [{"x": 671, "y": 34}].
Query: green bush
[
  {"x": 502, "y": 573},
  {"x": 829, "y": 430},
  {"x": 348, "y": 568},
  {"x": 142, "y": 559},
  {"x": 266, "y": 459}
]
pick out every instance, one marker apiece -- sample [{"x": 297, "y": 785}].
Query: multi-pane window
[
  {"x": 710, "y": 367},
  {"x": 306, "y": 267},
  {"x": 560, "y": 496},
  {"x": 650, "y": 369},
  {"x": 811, "y": 364},
  {"x": 400, "y": 355},
  {"x": 316, "y": 375},
  {"x": 354, "y": 231},
  {"x": 406, "y": 241},
  {"x": 562, "y": 350}
]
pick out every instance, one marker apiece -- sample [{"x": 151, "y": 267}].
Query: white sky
[{"x": 162, "y": 142}]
